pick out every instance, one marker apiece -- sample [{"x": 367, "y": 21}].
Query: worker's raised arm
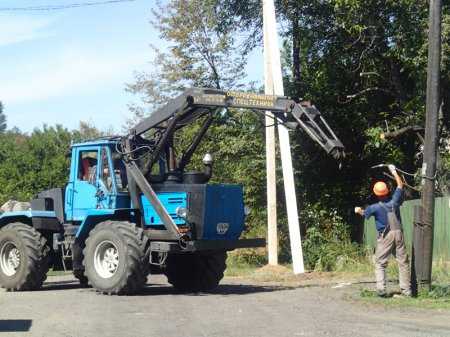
[{"x": 397, "y": 177}]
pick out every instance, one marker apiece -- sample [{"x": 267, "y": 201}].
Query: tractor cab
[{"x": 97, "y": 179}]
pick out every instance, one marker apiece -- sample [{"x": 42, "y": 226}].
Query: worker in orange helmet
[{"x": 390, "y": 239}]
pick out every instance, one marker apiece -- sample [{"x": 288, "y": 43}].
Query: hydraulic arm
[
  {"x": 196, "y": 102},
  {"x": 152, "y": 140}
]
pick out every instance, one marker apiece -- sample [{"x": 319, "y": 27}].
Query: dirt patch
[
  {"x": 283, "y": 275},
  {"x": 269, "y": 269}
]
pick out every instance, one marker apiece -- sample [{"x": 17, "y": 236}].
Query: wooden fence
[{"x": 441, "y": 249}]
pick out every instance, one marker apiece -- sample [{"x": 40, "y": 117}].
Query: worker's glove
[{"x": 392, "y": 168}]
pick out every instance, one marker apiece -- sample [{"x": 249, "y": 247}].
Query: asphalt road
[{"x": 237, "y": 308}]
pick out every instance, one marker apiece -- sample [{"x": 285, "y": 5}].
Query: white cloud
[
  {"x": 72, "y": 71},
  {"x": 22, "y": 28}
]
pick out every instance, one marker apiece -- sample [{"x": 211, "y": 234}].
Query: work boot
[
  {"x": 403, "y": 294},
  {"x": 406, "y": 293}
]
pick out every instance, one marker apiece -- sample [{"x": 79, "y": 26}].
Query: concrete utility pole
[
  {"x": 424, "y": 214},
  {"x": 274, "y": 86},
  {"x": 271, "y": 178}
]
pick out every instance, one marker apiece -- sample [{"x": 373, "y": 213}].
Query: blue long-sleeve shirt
[{"x": 380, "y": 213}]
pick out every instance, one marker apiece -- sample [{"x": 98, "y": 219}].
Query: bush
[
  {"x": 252, "y": 256},
  {"x": 327, "y": 245}
]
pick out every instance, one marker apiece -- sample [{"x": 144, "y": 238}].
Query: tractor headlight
[{"x": 181, "y": 212}]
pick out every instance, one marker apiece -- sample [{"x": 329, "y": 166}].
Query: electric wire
[
  {"x": 404, "y": 182},
  {"x": 408, "y": 173},
  {"x": 62, "y": 7}
]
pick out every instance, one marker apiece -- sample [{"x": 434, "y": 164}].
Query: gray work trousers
[{"x": 392, "y": 243}]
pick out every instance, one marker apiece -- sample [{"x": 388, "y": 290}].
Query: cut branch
[
  {"x": 349, "y": 98},
  {"x": 401, "y": 131}
]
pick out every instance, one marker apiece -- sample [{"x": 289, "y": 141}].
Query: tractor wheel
[
  {"x": 24, "y": 257},
  {"x": 197, "y": 271},
  {"x": 114, "y": 258}
]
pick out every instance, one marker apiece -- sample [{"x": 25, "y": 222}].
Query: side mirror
[{"x": 208, "y": 159}]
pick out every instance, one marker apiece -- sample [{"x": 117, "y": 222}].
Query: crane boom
[{"x": 153, "y": 137}]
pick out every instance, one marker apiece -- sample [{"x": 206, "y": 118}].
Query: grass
[
  {"x": 240, "y": 270},
  {"x": 352, "y": 271},
  {"x": 437, "y": 298},
  {"x": 52, "y": 272}
]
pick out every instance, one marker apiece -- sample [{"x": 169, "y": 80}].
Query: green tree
[
  {"x": 362, "y": 64},
  {"x": 30, "y": 163},
  {"x": 200, "y": 54},
  {"x": 87, "y": 131}
]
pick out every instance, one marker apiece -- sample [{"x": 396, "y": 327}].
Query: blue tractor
[{"x": 131, "y": 208}]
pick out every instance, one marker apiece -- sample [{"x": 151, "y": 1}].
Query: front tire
[
  {"x": 24, "y": 257},
  {"x": 114, "y": 258},
  {"x": 197, "y": 271}
]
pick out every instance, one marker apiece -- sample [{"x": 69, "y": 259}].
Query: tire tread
[
  {"x": 135, "y": 276},
  {"x": 38, "y": 257}
]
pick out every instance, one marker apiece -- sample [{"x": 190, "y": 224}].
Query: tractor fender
[
  {"x": 40, "y": 220},
  {"x": 95, "y": 216}
]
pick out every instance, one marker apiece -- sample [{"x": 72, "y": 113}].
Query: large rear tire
[
  {"x": 24, "y": 257},
  {"x": 114, "y": 258},
  {"x": 197, "y": 271}
]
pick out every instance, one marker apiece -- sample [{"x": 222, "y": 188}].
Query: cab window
[{"x": 87, "y": 166}]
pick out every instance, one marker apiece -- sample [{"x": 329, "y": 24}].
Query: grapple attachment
[{"x": 312, "y": 122}]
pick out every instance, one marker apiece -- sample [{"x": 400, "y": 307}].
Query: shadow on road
[
  {"x": 225, "y": 289},
  {"x": 166, "y": 289},
  {"x": 15, "y": 325}
]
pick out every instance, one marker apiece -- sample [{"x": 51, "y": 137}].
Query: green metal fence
[{"x": 441, "y": 249}]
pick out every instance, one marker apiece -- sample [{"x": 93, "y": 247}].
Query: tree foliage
[
  {"x": 200, "y": 53},
  {"x": 363, "y": 64},
  {"x": 30, "y": 163}
]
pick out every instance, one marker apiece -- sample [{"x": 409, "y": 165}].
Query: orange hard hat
[{"x": 380, "y": 189}]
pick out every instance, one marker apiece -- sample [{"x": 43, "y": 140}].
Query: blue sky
[{"x": 61, "y": 67}]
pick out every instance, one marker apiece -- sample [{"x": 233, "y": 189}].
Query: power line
[{"x": 61, "y": 7}]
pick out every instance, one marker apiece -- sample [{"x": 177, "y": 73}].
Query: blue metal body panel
[
  {"x": 8, "y": 217},
  {"x": 122, "y": 200},
  {"x": 171, "y": 201},
  {"x": 29, "y": 214},
  {"x": 80, "y": 195},
  {"x": 93, "y": 216},
  {"x": 224, "y": 204},
  {"x": 98, "y": 142}
]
